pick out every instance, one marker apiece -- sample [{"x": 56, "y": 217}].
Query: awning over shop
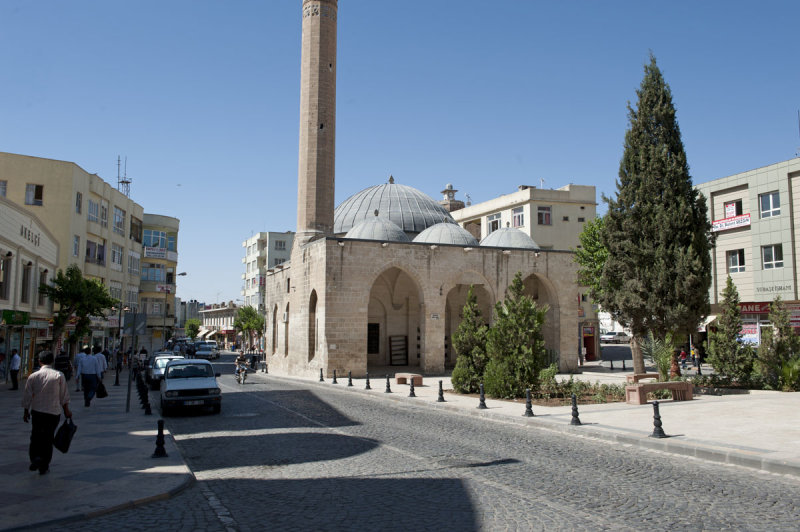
[
  {"x": 202, "y": 333},
  {"x": 211, "y": 333},
  {"x": 704, "y": 325}
]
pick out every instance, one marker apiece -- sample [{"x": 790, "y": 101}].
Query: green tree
[
  {"x": 778, "y": 345},
  {"x": 469, "y": 342},
  {"x": 661, "y": 352},
  {"x": 658, "y": 271},
  {"x": 79, "y": 297},
  {"x": 591, "y": 256},
  {"x": 515, "y": 344},
  {"x": 726, "y": 352},
  {"x": 249, "y": 322},
  {"x": 192, "y": 327}
]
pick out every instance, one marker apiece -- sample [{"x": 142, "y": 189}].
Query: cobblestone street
[{"x": 288, "y": 456}]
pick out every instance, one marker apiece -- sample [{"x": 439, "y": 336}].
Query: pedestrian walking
[
  {"x": 89, "y": 371},
  {"x": 44, "y": 398},
  {"x": 14, "y": 369},
  {"x": 63, "y": 365},
  {"x": 102, "y": 361},
  {"x": 683, "y": 359},
  {"x": 80, "y": 356}
]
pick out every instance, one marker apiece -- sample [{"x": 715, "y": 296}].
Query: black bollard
[
  {"x": 116, "y": 378},
  {"x": 160, "y": 452},
  {"x": 528, "y": 406},
  {"x": 147, "y": 410},
  {"x": 575, "y": 419},
  {"x": 612, "y": 365},
  {"x": 367, "y": 387},
  {"x": 388, "y": 389},
  {"x": 482, "y": 403},
  {"x": 349, "y": 378},
  {"x": 411, "y": 393},
  {"x": 699, "y": 371},
  {"x": 658, "y": 432},
  {"x": 441, "y": 394},
  {"x": 623, "y": 364},
  {"x": 320, "y": 376},
  {"x": 334, "y": 378}
]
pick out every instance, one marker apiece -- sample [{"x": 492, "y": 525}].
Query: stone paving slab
[{"x": 108, "y": 467}]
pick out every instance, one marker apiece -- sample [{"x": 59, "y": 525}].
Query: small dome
[
  {"x": 509, "y": 237},
  {"x": 444, "y": 233},
  {"x": 412, "y": 210},
  {"x": 377, "y": 228}
]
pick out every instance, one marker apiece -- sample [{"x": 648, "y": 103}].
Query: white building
[{"x": 263, "y": 251}]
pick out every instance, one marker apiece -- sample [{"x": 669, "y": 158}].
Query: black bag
[
  {"x": 64, "y": 435},
  {"x": 101, "y": 391}
]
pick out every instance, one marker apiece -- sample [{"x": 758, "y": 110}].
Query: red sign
[
  {"x": 743, "y": 220},
  {"x": 755, "y": 308}
]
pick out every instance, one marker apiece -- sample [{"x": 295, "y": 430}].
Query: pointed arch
[
  {"x": 286, "y": 331},
  {"x": 312, "y": 325}
]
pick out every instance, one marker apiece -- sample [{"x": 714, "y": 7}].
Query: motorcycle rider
[{"x": 241, "y": 363}]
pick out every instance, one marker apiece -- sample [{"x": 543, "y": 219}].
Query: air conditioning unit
[{"x": 285, "y": 317}]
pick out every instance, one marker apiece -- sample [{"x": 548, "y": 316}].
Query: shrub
[
  {"x": 469, "y": 342},
  {"x": 660, "y": 351}
]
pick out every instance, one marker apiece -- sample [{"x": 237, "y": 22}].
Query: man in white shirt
[
  {"x": 101, "y": 360},
  {"x": 89, "y": 371},
  {"x": 45, "y": 396},
  {"x": 14, "y": 369}
]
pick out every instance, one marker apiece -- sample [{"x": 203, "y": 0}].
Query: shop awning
[
  {"x": 704, "y": 325},
  {"x": 211, "y": 333},
  {"x": 202, "y": 333}
]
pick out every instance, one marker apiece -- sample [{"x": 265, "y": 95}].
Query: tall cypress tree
[{"x": 658, "y": 271}]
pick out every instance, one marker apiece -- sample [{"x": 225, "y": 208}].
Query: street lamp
[
  {"x": 118, "y": 361},
  {"x": 164, "y": 324}
]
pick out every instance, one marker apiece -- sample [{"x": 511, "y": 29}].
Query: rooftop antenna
[
  {"x": 123, "y": 183},
  {"x": 541, "y": 182},
  {"x": 469, "y": 199},
  {"x": 797, "y": 153}
]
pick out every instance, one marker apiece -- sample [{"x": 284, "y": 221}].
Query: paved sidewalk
[
  {"x": 108, "y": 467},
  {"x": 758, "y": 430}
]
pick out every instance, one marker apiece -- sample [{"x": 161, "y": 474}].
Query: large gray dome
[
  {"x": 377, "y": 228},
  {"x": 412, "y": 210},
  {"x": 445, "y": 233},
  {"x": 509, "y": 237}
]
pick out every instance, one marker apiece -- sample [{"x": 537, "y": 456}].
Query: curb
[{"x": 711, "y": 453}]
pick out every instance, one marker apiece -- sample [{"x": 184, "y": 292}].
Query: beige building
[
  {"x": 552, "y": 218},
  {"x": 97, "y": 227},
  {"x": 158, "y": 278},
  {"x": 756, "y": 217},
  {"x": 217, "y": 323},
  {"x": 28, "y": 258},
  {"x": 263, "y": 251},
  {"x": 380, "y": 281}
]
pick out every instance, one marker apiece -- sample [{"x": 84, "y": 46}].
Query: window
[
  {"x": 772, "y": 256},
  {"x": 770, "y": 204},
  {"x": 279, "y": 261},
  {"x": 565, "y": 219},
  {"x": 34, "y": 194},
  {"x": 3, "y": 187},
  {"x": 733, "y": 208},
  {"x": 42, "y": 280},
  {"x": 93, "y": 211},
  {"x": 96, "y": 252},
  {"x": 76, "y": 245},
  {"x": 119, "y": 221},
  {"x": 25, "y": 289},
  {"x": 116, "y": 256},
  {"x": 280, "y": 245},
  {"x": 104, "y": 215},
  {"x": 155, "y": 239},
  {"x": 517, "y": 217},
  {"x": 133, "y": 264},
  {"x": 735, "y": 261},
  {"x": 581, "y": 219},
  {"x": 171, "y": 243},
  {"x": 115, "y": 290},
  {"x": 136, "y": 230},
  {"x": 543, "y": 215},
  {"x": 492, "y": 223},
  {"x": 5, "y": 275},
  {"x": 153, "y": 272},
  {"x": 78, "y": 202}
]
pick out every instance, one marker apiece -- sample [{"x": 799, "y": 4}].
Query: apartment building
[
  {"x": 553, "y": 218},
  {"x": 263, "y": 251},
  {"x": 755, "y": 217}
]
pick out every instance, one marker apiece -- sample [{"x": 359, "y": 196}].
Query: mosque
[{"x": 381, "y": 279}]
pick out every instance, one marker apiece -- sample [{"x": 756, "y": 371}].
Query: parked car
[
  {"x": 156, "y": 371},
  {"x": 189, "y": 383},
  {"x": 615, "y": 337},
  {"x": 148, "y": 364},
  {"x": 206, "y": 352}
]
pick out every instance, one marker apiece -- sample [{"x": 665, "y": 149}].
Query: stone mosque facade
[{"x": 381, "y": 279}]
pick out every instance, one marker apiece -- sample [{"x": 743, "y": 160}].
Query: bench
[
  {"x": 636, "y": 394},
  {"x": 402, "y": 378},
  {"x": 636, "y": 377}
]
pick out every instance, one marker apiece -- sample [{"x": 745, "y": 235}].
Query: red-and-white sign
[
  {"x": 761, "y": 307},
  {"x": 743, "y": 220}
]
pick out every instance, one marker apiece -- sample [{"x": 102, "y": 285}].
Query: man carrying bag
[{"x": 45, "y": 396}]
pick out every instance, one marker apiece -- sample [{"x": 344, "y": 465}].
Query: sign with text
[
  {"x": 733, "y": 222},
  {"x": 155, "y": 253}
]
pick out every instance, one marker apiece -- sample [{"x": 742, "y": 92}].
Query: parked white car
[
  {"x": 190, "y": 383},
  {"x": 615, "y": 337}
]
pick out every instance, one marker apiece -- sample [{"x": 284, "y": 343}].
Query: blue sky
[{"x": 202, "y": 97}]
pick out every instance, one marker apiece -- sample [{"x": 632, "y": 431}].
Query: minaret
[{"x": 315, "y": 175}]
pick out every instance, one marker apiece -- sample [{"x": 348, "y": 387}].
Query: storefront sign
[
  {"x": 750, "y": 333},
  {"x": 774, "y": 288},
  {"x": 155, "y": 253},
  {"x": 754, "y": 308},
  {"x": 588, "y": 331},
  {"x": 16, "y": 317},
  {"x": 743, "y": 220}
]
